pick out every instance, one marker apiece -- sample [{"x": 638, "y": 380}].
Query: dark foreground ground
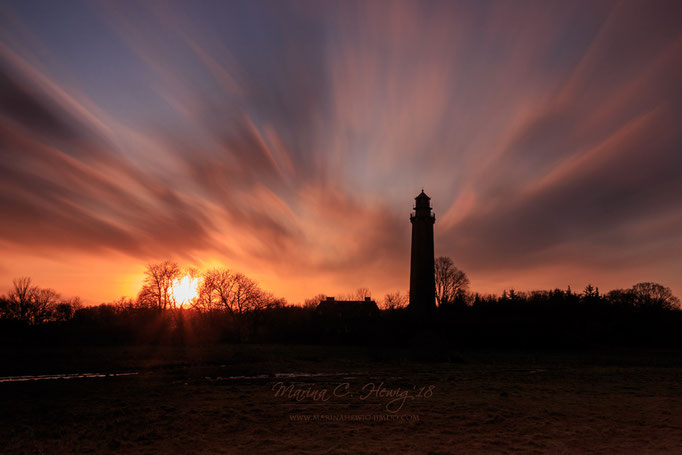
[{"x": 223, "y": 399}]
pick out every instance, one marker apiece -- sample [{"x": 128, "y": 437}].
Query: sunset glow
[
  {"x": 287, "y": 140},
  {"x": 341, "y": 226}
]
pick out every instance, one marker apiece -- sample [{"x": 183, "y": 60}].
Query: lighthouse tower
[{"x": 422, "y": 273}]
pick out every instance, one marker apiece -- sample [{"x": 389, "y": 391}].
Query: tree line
[
  {"x": 31, "y": 304},
  {"x": 221, "y": 289},
  {"x": 228, "y": 306}
]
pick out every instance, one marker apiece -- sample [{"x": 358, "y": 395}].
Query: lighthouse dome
[{"x": 422, "y": 200}]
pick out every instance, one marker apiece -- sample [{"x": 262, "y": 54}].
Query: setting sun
[{"x": 185, "y": 289}]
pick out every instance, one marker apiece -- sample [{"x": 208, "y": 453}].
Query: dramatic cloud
[{"x": 287, "y": 140}]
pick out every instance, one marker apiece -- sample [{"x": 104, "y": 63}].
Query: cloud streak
[{"x": 288, "y": 139}]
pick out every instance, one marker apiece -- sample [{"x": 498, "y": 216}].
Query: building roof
[
  {"x": 422, "y": 195},
  {"x": 347, "y": 308}
]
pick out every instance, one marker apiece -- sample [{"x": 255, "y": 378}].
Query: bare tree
[
  {"x": 126, "y": 303},
  {"x": 654, "y": 295},
  {"x": 394, "y": 301},
  {"x": 215, "y": 290},
  {"x": 234, "y": 292},
  {"x": 66, "y": 309},
  {"x": 44, "y": 303},
  {"x": 451, "y": 282},
  {"x": 157, "y": 290},
  {"x": 30, "y": 303},
  {"x": 20, "y": 298},
  {"x": 362, "y": 293},
  {"x": 146, "y": 298},
  {"x": 246, "y": 295},
  {"x": 268, "y": 300},
  {"x": 314, "y": 301}
]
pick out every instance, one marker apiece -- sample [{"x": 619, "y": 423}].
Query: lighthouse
[{"x": 422, "y": 273}]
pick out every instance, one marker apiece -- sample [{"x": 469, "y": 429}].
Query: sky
[{"x": 287, "y": 140}]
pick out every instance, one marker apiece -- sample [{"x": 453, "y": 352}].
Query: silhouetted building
[
  {"x": 347, "y": 309},
  {"x": 344, "y": 321},
  {"x": 422, "y": 266}
]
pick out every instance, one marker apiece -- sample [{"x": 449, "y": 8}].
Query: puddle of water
[
  {"x": 234, "y": 378},
  {"x": 306, "y": 375},
  {"x": 42, "y": 377},
  {"x": 346, "y": 375}
]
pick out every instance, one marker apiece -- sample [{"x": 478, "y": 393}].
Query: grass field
[{"x": 318, "y": 400}]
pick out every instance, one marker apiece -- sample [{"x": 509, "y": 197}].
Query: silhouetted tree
[
  {"x": 20, "y": 299},
  {"x": 270, "y": 301},
  {"x": 621, "y": 297},
  {"x": 43, "y": 305},
  {"x": 590, "y": 291},
  {"x": 66, "y": 309},
  {"x": 157, "y": 290},
  {"x": 235, "y": 292},
  {"x": 215, "y": 290},
  {"x": 29, "y": 303},
  {"x": 314, "y": 301},
  {"x": 394, "y": 300},
  {"x": 654, "y": 295},
  {"x": 246, "y": 295},
  {"x": 591, "y": 295},
  {"x": 362, "y": 294},
  {"x": 126, "y": 304},
  {"x": 147, "y": 298},
  {"x": 450, "y": 281}
]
